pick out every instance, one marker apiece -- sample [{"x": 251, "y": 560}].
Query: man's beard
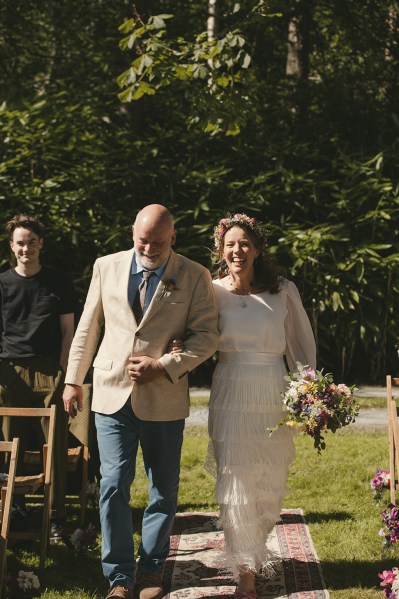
[{"x": 151, "y": 263}]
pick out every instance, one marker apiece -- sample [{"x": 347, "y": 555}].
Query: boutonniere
[{"x": 168, "y": 286}]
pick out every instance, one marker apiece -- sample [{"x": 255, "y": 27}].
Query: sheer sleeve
[{"x": 300, "y": 342}]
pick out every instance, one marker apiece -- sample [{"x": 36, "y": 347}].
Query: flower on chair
[
  {"x": 390, "y": 583},
  {"x": 23, "y": 586},
  {"x": 82, "y": 540},
  {"x": 390, "y": 530},
  {"x": 380, "y": 482},
  {"x": 169, "y": 285}
]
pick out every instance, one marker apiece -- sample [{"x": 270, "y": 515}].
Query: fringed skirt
[{"x": 252, "y": 465}]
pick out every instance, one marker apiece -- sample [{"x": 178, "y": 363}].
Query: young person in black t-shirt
[{"x": 37, "y": 306}]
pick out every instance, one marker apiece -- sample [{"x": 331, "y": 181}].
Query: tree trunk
[
  {"x": 297, "y": 64},
  {"x": 298, "y": 44},
  {"x": 212, "y": 19}
]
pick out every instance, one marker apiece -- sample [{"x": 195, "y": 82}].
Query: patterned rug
[{"x": 190, "y": 571}]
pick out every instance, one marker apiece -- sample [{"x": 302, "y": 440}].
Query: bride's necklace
[{"x": 241, "y": 293}]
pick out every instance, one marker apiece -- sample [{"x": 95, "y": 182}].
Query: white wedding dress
[{"x": 256, "y": 331}]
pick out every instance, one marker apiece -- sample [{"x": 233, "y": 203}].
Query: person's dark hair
[
  {"x": 25, "y": 221},
  {"x": 267, "y": 272}
]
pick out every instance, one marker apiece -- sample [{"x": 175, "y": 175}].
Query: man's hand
[
  {"x": 143, "y": 369},
  {"x": 175, "y": 346},
  {"x": 73, "y": 399}
]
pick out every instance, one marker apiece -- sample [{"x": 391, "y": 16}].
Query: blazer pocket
[{"x": 102, "y": 363}]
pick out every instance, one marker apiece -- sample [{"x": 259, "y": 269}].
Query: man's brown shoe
[
  {"x": 149, "y": 585},
  {"x": 119, "y": 591}
]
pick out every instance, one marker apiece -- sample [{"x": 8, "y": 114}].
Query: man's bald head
[{"x": 155, "y": 214}]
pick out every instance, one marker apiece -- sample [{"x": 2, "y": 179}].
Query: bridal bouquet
[{"x": 315, "y": 404}]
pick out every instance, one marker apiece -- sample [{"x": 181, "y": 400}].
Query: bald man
[{"x": 141, "y": 298}]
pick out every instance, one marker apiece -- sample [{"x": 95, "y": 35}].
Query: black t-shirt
[{"x": 29, "y": 312}]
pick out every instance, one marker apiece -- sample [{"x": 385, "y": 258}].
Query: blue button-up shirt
[{"x": 136, "y": 277}]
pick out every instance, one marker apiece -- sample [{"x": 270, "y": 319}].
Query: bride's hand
[{"x": 175, "y": 346}]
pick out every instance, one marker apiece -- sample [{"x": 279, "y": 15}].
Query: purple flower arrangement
[
  {"x": 390, "y": 531},
  {"x": 82, "y": 540},
  {"x": 390, "y": 583},
  {"x": 379, "y": 483}
]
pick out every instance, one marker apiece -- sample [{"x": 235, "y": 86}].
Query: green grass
[
  {"x": 199, "y": 402},
  {"x": 364, "y": 402},
  {"x": 372, "y": 402},
  {"x": 333, "y": 490}
]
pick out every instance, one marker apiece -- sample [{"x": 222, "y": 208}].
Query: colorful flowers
[
  {"x": 239, "y": 220},
  {"x": 390, "y": 531},
  {"x": 380, "y": 482},
  {"x": 390, "y": 583},
  {"x": 82, "y": 540},
  {"x": 25, "y": 585},
  {"x": 315, "y": 404},
  {"x": 168, "y": 286},
  {"x": 390, "y": 535}
]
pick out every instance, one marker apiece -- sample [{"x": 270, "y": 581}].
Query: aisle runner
[{"x": 190, "y": 572}]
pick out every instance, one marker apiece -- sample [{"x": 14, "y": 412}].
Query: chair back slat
[
  {"x": 6, "y": 495},
  {"x": 43, "y": 412}
]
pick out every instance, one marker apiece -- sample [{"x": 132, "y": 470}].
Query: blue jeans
[{"x": 118, "y": 437}]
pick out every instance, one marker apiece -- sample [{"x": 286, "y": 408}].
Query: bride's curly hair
[{"x": 267, "y": 272}]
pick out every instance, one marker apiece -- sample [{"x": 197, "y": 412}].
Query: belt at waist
[{"x": 242, "y": 357}]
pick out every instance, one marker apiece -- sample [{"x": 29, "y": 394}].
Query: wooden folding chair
[
  {"x": 77, "y": 460},
  {"x": 393, "y": 435},
  {"x": 29, "y": 485},
  {"x": 7, "y": 490}
]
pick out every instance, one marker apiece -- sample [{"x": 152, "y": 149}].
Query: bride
[{"x": 263, "y": 326}]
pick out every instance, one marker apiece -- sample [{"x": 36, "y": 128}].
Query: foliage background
[{"x": 305, "y": 137}]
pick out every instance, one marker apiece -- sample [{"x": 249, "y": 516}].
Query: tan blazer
[{"x": 188, "y": 312}]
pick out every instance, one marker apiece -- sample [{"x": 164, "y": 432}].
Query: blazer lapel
[{"x": 171, "y": 272}]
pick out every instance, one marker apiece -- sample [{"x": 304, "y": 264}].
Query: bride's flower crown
[{"x": 239, "y": 220}]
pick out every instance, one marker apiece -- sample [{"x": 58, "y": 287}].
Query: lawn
[
  {"x": 363, "y": 401},
  {"x": 372, "y": 402},
  {"x": 333, "y": 490}
]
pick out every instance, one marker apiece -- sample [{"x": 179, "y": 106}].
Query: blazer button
[{"x": 138, "y": 333}]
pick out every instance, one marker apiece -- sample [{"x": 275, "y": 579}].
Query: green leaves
[
  {"x": 215, "y": 65},
  {"x": 210, "y": 124}
]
